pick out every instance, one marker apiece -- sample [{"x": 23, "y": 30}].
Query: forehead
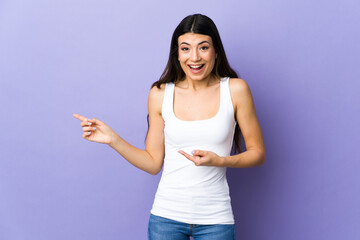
[{"x": 194, "y": 38}]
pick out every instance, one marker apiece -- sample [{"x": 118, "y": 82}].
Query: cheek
[
  {"x": 182, "y": 63},
  {"x": 211, "y": 61},
  {"x": 182, "y": 59},
  {"x": 209, "y": 56}
]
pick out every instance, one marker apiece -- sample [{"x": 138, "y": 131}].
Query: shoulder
[
  {"x": 240, "y": 91},
  {"x": 238, "y": 85},
  {"x": 155, "y": 92},
  {"x": 156, "y": 96}
]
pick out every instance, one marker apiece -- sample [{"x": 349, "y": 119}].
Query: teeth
[{"x": 196, "y": 66}]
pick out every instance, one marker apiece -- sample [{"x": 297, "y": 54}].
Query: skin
[{"x": 197, "y": 98}]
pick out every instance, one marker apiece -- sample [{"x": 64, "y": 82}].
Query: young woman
[{"x": 196, "y": 111}]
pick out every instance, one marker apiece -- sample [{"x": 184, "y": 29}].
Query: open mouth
[{"x": 196, "y": 68}]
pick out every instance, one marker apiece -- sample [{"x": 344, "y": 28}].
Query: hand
[
  {"x": 203, "y": 158},
  {"x": 96, "y": 130}
]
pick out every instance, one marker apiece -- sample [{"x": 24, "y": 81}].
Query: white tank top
[{"x": 186, "y": 192}]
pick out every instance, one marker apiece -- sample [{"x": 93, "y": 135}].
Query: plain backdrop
[{"x": 99, "y": 59}]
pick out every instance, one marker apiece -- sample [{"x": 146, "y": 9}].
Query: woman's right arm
[{"x": 149, "y": 160}]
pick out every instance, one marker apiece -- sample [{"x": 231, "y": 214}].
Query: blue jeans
[{"x": 166, "y": 229}]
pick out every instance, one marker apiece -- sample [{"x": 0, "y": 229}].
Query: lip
[{"x": 196, "y": 71}]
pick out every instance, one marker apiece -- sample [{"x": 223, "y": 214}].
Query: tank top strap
[
  {"x": 226, "y": 101},
  {"x": 167, "y": 100}
]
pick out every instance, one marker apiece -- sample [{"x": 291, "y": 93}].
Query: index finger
[
  {"x": 188, "y": 156},
  {"x": 78, "y": 116}
]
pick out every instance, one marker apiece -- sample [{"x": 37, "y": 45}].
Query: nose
[{"x": 195, "y": 56}]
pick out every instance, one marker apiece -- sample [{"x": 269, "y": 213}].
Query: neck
[{"x": 196, "y": 85}]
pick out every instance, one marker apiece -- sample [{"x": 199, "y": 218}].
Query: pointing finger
[
  {"x": 188, "y": 156},
  {"x": 78, "y": 116}
]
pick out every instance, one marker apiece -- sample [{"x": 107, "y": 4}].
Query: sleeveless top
[{"x": 186, "y": 192}]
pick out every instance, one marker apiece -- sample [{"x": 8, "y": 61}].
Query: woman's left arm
[
  {"x": 246, "y": 117},
  {"x": 245, "y": 114}
]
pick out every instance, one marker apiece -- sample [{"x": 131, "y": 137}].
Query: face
[{"x": 196, "y": 55}]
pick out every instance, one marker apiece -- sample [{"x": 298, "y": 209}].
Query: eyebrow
[{"x": 198, "y": 44}]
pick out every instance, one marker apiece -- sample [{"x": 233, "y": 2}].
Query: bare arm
[
  {"x": 255, "y": 154},
  {"x": 149, "y": 160}
]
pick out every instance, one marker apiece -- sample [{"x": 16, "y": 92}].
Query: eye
[
  {"x": 184, "y": 48},
  {"x": 204, "y": 48}
]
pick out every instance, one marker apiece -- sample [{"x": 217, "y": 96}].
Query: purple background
[{"x": 99, "y": 58}]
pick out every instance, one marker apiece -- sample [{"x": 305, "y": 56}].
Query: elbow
[
  {"x": 262, "y": 158},
  {"x": 154, "y": 172},
  {"x": 258, "y": 157},
  {"x": 155, "y": 165}
]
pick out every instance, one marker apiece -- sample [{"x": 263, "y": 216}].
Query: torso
[{"x": 189, "y": 193}]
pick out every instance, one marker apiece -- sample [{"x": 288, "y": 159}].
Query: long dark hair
[{"x": 201, "y": 24}]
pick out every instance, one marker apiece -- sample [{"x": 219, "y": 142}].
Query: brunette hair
[{"x": 201, "y": 24}]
